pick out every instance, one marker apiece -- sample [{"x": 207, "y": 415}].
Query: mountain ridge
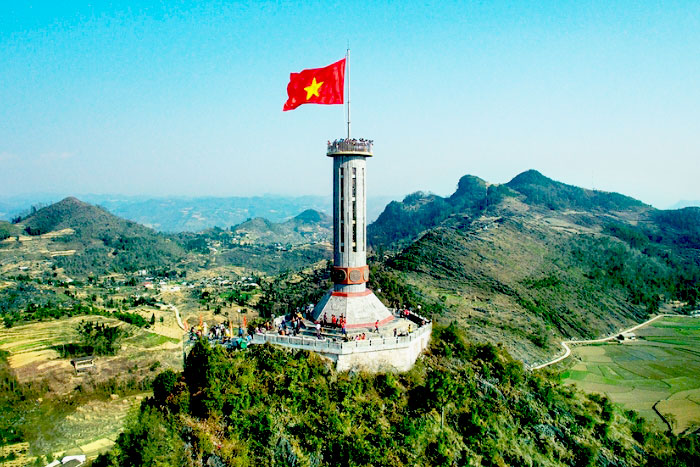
[{"x": 531, "y": 259}]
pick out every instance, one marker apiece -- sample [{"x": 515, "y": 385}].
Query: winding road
[{"x": 567, "y": 349}]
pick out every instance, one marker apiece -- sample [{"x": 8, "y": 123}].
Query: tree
[
  {"x": 147, "y": 440},
  {"x": 99, "y": 338},
  {"x": 443, "y": 389},
  {"x": 163, "y": 385},
  {"x": 153, "y": 319}
]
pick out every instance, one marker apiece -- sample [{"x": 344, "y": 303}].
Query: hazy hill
[
  {"x": 179, "y": 214},
  {"x": 684, "y": 203},
  {"x": 534, "y": 259},
  {"x": 101, "y": 241},
  {"x": 310, "y": 226},
  {"x": 191, "y": 214},
  {"x": 197, "y": 214}
]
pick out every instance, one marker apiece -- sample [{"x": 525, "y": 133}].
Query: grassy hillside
[
  {"x": 544, "y": 191},
  {"x": 462, "y": 404},
  {"x": 99, "y": 241},
  {"x": 8, "y": 230},
  {"x": 45, "y": 403},
  {"x": 534, "y": 260}
]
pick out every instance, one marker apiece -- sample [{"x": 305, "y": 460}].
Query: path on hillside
[
  {"x": 567, "y": 349},
  {"x": 177, "y": 316},
  {"x": 177, "y": 313}
]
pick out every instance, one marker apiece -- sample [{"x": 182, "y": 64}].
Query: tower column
[
  {"x": 350, "y": 297},
  {"x": 349, "y": 224}
]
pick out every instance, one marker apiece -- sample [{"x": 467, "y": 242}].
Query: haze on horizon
[{"x": 159, "y": 99}]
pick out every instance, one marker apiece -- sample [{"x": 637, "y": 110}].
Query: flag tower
[{"x": 350, "y": 296}]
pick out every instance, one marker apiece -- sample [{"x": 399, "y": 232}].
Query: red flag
[{"x": 316, "y": 86}]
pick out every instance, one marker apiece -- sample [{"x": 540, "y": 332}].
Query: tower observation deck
[{"x": 350, "y": 296}]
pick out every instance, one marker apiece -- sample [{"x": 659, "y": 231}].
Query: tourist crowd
[
  {"x": 345, "y": 144},
  {"x": 221, "y": 333},
  {"x": 293, "y": 324}
]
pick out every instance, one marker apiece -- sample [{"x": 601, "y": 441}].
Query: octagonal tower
[{"x": 350, "y": 296}]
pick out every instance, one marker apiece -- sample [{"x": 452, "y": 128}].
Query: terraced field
[
  {"x": 658, "y": 375},
  {"x": 90, "y": 429},
  {"x": 91, "y": 423}
]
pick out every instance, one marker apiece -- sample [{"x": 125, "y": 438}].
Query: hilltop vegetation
[
  {"x": 541, "y": 190},
  {"x": 102, "y": 241},
  {"x": 533, "y": 260},
  {"x": 8, "y": 230},
  {"x": 462, "y": 404},
  {"x": 82, "y": 239}
]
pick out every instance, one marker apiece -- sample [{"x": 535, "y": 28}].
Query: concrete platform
[
  {"x": 360, "y": 310},
  {"x": 402, "y": 326},
  {"x": 376, "y": 353}
]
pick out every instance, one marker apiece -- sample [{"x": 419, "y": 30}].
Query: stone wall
[
  {"x": 398, "y": 359},
  {"x": 375, "y": 354}
]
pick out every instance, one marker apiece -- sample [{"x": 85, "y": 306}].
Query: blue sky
[{"x": 185, "y": 98}]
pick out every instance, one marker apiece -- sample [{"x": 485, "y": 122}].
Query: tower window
[
  {"x": 364, "y": 218},
  {"x": 354, "y": 236},
  {"x": 354, "y": 182}
]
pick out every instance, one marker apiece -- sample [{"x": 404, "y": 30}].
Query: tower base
[{"x": 360, "y": 309}]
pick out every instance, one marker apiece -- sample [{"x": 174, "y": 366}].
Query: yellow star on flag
[{"x": 312, "y": 89}]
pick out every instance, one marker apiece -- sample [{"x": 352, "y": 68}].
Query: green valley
[
  {"x": 656, "y": 375},
  {"x": 505, "y": 272}
]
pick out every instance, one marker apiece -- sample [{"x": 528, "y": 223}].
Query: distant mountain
[
  {"x": 12, "y": 206},
  {"x": 419, "y": 211},
  {"x": 197, "y": 214},
  {"x": 684, "y": 203},
  {"x": 406, "y": 219},
  {"x": 534, "y": 258},
  {"x": 180, "y": 214},
  {"x": 101, "y": 241},
  {"x": 310, "y": 226}
]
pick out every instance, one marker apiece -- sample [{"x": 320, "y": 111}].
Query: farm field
[
  {"x": 33, "y": 351},
  {"x": 84, "y": 413},
  {"x": 659, "y": 371}
]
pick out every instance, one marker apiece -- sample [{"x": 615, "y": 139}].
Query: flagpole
[{"x": 347, "y": 73}]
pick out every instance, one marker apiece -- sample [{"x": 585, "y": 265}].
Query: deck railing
[
  {"x": 336, "y": 345},
  {"x": 350, "y": 146},
  {"x": 329, "y": 345}
]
